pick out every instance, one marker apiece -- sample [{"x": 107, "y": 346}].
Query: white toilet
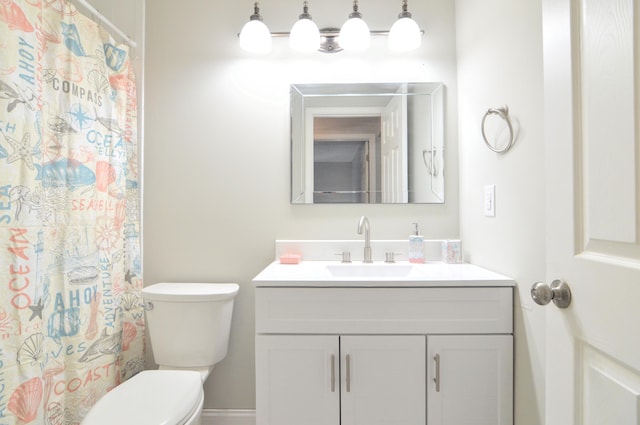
[{"x": 188, "y": 325}]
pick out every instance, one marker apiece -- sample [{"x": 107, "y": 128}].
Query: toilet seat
[{"x": 152, "y": 397}]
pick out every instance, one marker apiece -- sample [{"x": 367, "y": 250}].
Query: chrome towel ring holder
[{"x": 504, "y": 114}]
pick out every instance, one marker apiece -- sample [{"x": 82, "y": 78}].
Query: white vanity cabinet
[
  {"x": 297, "y": 379},
  {"x": 349, "y": 380},
  {"x": 393, "y": 353},
  {"x": 470, "y": 380}
]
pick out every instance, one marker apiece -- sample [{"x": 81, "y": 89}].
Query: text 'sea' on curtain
[{"x": 71, "y": 316}]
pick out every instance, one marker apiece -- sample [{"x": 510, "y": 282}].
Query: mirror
[{"x": 379, "y": 143}]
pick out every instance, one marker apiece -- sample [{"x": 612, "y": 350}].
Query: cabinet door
[
  {"x": 383, "y": 380},
  {"x": 470, "y": 380},
  {"x": 297, "y": 380}
]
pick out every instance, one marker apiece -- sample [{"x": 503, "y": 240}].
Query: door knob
[{"x": 558, "y": 292}]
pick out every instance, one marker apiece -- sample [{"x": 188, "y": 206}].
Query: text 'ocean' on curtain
[{"x": 71, "y": 315}]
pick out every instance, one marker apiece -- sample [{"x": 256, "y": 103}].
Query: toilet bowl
[
  {"x": 151, "y": 397},
  {"x": 188, "y": 325}
]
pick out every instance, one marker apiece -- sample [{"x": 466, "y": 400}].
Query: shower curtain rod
[{"x": 106, "y": 22}]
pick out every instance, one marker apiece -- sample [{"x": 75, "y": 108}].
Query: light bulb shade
[
  {"x": 255, "y": 37},
  {"x": 304, "y": 36},
  {"x": 404, "y": 35},
  {"x": 355, "y": 35}
]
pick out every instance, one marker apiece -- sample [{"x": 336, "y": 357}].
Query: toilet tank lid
[{"x": 190, "y": 292}]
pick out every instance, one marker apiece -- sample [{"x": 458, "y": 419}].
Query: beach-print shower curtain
[{"x": 71, "y": 321}]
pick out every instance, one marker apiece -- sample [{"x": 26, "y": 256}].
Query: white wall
[
  {"x": 217, "y": 152},
  {"x": 499, "y": 47}
]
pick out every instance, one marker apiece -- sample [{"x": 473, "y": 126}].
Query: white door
[
  {"x": 592, "y": 105},
  {"x": 393, "y": 151},
  {"x": 470, "y": 379},
  {"x": 383, "y": 380},
  {"x": 297, "y": 380}
]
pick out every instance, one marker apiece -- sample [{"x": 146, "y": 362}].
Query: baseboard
[{"x": 228, "y": 417}]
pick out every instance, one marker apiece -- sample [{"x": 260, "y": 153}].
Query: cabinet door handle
[
  {"x": 436, "y": 359},
  {"x": 348, "y": 373},
  {"x": 333, "y": 373}
]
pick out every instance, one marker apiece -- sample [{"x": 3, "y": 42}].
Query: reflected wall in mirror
[{"x": 377, "y": 143}]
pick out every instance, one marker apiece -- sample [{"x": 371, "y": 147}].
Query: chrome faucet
[{"x": 363, "y": 224}]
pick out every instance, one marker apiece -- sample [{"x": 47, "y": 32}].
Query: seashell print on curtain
[{"x": 71, "y": 316}]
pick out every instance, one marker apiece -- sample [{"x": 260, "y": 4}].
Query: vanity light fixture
[
  {"x": 404, "y": 36},
  {"x": 355, "y": 35},
  {"x": 255, "y": 36},
  {"x": 305, "y": 35}
]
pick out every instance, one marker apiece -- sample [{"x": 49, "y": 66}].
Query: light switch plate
[{"x": 490, "y": 200}]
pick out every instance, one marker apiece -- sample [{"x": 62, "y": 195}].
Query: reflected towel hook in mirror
[
  {"x": 429, "y": 162},
  {"x": 504, "y": 114}
]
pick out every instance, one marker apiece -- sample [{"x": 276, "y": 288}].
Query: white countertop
[{"x": 399, "y": 274}]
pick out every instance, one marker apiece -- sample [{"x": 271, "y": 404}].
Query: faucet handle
[
  {"x": 390, "y": 257},
  {"x": 346, "y": 256}
]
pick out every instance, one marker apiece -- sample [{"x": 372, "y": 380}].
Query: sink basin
[{"x": 371, "y": 270}]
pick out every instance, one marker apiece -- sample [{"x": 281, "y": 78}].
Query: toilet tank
[{"x": 189, "y": 323}]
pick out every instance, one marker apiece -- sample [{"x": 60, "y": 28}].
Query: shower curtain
[{"x": 71, "y": 320}]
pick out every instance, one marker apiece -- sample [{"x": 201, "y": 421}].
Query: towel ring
[{"x": 504, "y": 114}]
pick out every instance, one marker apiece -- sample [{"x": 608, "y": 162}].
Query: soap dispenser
[{"x": 416, "y": 246}]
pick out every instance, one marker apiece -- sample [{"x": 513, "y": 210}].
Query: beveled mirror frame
[{"x": 417, "y": 171}]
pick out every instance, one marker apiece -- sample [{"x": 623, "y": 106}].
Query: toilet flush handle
[{"x": 148, "y": 305}]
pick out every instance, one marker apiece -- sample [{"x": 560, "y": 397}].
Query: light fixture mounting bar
[
  {"x": 329, "y": 42},
  {"x": 331, "y": 33}
]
